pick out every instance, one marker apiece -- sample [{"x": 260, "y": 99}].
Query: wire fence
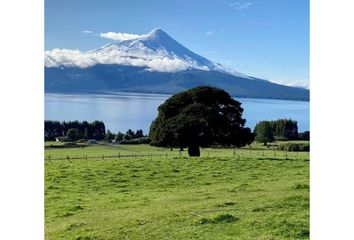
[
  {"x": 103, "y": 157},
  {"x": 244, "y": 153}
]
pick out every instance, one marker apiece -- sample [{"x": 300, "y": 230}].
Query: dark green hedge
[
  {"x": 295, "y": 147},
  {"x": 143, "y": 140}
]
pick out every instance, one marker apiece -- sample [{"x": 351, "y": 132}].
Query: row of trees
[
  {"x": 75, "y": 130},
  {"x": 281, "y": 129},
  {"x": 129, "y": 135},
  {"x": 78, "y": 130}
]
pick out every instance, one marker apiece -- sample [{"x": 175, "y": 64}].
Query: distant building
[
  {"x": 60, "y": 139},
  {"x": 91, "y": 141}
]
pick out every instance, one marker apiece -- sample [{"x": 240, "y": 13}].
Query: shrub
[
  {"x": 280, "y": 138},
  {"x": 294, "y": 147},
  {"x": 304, "y": 136},
  {"x": 70, "y": 144},
  {"x": 220, "y": 218},
  {"x": 300, "y": 186},
  {"x": 143, "y": 140}
]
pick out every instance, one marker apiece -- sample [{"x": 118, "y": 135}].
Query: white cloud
[
  {"x": 66, "y": 57},
  {"x": 87, "y": 31},
  {"x": 208, "y": 33},
  {"x": 240, "y": 5},
  {"x": 75, "y": 58},
  {"x": 117, "y": 36},
  {"x": 303, "y": 83}
]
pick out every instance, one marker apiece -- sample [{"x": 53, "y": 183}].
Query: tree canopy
[
  {"x": 86, "y": 130},
  {"x": 285, "y": 129},
  {"x": 281, "y": 129},
  {"x": 200, "y": 117},
  {"x": 264, "y": 132},
  {"x": 72, "y": 134},
  {"x": 304, "y": 136}
]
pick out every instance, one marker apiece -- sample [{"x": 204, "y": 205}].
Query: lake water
[{"x": 121, "y": 111}]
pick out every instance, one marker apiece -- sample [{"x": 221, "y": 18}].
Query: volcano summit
[{"x": 152, "y": 63}]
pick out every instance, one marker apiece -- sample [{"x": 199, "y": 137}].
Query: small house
[{"x": 60, "y": 139}]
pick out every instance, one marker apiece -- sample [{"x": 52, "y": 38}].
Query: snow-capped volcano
[
  {"x": 151, "y": 63},
  {"x": 156, "y": 51}
]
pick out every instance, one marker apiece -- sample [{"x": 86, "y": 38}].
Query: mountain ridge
[{"x": 154, "y": 63}]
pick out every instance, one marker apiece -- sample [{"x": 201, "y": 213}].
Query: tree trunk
[
  {"x": 193, "y": 151},
  {"x": 181, "y": 149}
]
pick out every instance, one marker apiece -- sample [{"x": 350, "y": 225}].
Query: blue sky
[{"x": 267, "y": 39}]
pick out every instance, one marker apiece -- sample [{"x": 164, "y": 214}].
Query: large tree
[{"x": 200, "y": 117}]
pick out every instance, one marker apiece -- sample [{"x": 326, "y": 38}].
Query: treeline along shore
[{"x": 71, "y": 131}]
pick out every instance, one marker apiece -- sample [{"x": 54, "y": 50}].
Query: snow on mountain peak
[
  {"x": 156, "y": 33},
  {"x": 156, "y": 51}
]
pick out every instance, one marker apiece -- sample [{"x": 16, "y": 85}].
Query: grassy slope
[{"x": 253, "y": 196}]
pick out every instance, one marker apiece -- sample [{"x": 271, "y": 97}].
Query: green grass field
[{"x": 252, "y": 194}]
